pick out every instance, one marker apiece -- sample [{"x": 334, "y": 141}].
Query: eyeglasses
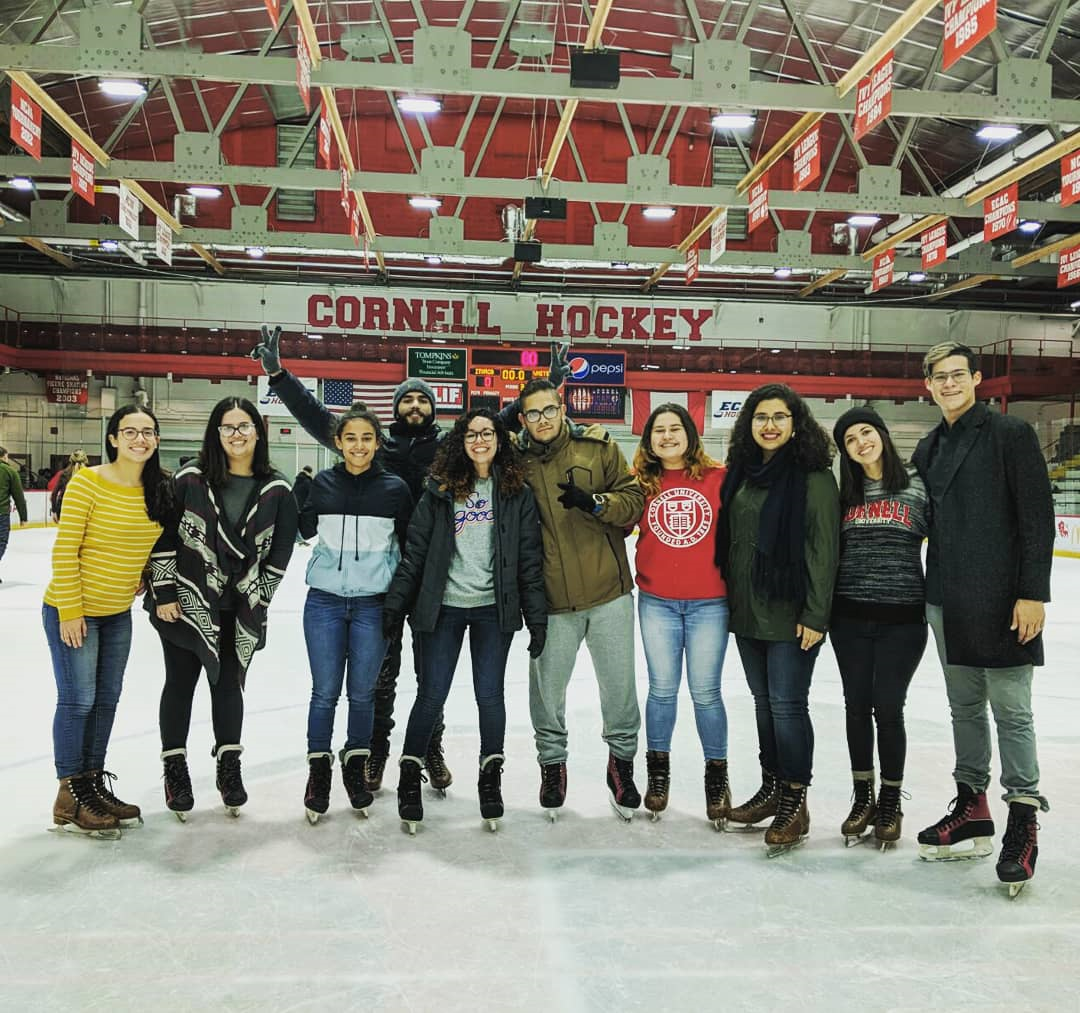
[
  {"x": 484, "y": 435},
  {"x": 955, "y": 375},
  {"x": 533, "y": 414},
  {"x": 130, "y": 432},
  {"x": 777, "y": 419},
  {"x": 244, "y": 429}
]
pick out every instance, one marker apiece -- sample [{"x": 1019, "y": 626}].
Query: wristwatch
[{"x": 598, "y": 502}]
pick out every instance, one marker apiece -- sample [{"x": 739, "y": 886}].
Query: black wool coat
[{"x": 992, "y": 532}]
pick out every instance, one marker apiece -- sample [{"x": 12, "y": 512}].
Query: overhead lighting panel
[
  {"x": 122, "y": 88},
  {"x": 425, "y": 203},
  {"x": 208, "y": 192},
  {"x": 997, "y": 132},
  {"x": 418, "y": 104},
  {"x": 659, "y": 214},
  {"x": 733, "y": 121},
  {"x": 862, "y": 221}
]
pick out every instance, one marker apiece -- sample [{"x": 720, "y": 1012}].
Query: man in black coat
[
  {"x": 987, "y": 577},
  {"x": 407, "y": 451}
]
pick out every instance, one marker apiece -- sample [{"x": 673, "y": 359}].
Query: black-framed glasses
[
  {"x": 244, "y": 429},
  {"x": 955, "y": 375},
  {"x": 777, "y": 419},
  {"x": 548, "y": 412},
  {"x": 130, "y": 432},
  {"x": 484, "y": 435}
]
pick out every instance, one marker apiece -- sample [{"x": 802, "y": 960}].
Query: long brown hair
[{"x": 647, "y": 467}]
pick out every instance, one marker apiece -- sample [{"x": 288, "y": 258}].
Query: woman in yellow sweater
[{"x": 112, "y": 517}]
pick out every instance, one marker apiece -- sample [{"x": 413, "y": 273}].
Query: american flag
[{"x": 339, "y": 395}]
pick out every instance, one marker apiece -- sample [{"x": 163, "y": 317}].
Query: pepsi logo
[{"x": 579, "y": 367}]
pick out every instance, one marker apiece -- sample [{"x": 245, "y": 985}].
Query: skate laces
[
  {"x": 319, "y": 777},
  {"x": 105, "y": 790},
  {"x": 229, "y": 772},
  {"x": 176, "y": 775},
  {"x": 789, "y": 805},
  {"x": 82, "y": 790},
  {"x": 1017, "y": 837},
  {"x": 409, "y": 786},
  {"x": 659, "y": 777},
  {"x": 715, "y": 783},
  {"x": 434, "y": 763},
  {"x": 490, "y": 779},
  {"x": 888, "y": 803}
]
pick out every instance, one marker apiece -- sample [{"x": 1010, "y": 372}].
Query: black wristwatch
[{"x": 598, "y": 503}]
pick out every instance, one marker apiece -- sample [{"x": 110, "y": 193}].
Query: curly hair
[
  {"x": 454, "y": 471},
  {"x": 647, "y": 467},
  {"x": 812, "y": 445}
]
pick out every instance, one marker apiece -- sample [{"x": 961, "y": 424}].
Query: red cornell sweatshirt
[{"x": 677, "y": 544}]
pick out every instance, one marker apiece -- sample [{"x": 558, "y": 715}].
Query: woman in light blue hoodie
[{"x": 361, "y": 513}]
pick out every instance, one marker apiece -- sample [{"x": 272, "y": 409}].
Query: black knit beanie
[
  {"x": 853, "y": 416},
  {"x": 408, "y": 387}
]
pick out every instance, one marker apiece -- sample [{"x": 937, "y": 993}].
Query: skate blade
[
  {"x": 885, "y": 845},
  {"x": 720, "y": 824},
  {"x": 553, "y": 814},
  {"x": 493, "y": 824},
  {"x": 854, "y": 840},
  {"x": 312, "y": 816},
  {"x": 743, "y": 828},
  {"x": 654, "y": 816},
  {"x": 181, "y": 816},
  {"x": 981, "y": 847},
  {"x": 409, "y": 825},
  {"x": 99, "y": 835},
  {"x": 130, "y": 824},
  {"x": 1015, "y": 889},
  {"x": 625, "y": 814},
  {"x": 233, "y": 810},
  {"x": 776, "y": 850}
]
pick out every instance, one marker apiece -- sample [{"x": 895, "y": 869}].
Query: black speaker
[
  {"x": 527, "y": 253},
  {"x": 546, "y": 207},
  {"x": 594, "y": 69}
]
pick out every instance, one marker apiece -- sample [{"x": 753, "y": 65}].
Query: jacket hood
[{"x": 570, "y": 431}]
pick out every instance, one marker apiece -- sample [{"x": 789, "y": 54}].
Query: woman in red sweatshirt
[{"x": 682, "y": 606}]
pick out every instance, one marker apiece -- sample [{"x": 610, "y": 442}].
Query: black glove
[
  {"x": 537, "y": 639},
  {"x": 559, "y": 370},
  {"x": 266, "y": 351},
  {"x": 575, "y": 496},
  {"x": 393, "y": 625}
]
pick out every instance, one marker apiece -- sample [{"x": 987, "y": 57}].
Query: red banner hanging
[
  {"x": 806, "y": 165},
  {"x": 66, "y": 388},
  {"x": 759, "y": 204},
  {"x": 1000, "y": 213},
  {"x": 354, "y": 220},
  {"x": 273, "y": 8},
  {"x": 873, "y": 99},
  {"x": 883, "y": 270},
  {"x": 325, "y": 135},
  {"x": 935, "y": 245},
  {"x": 967, "y": 23},
  {"x": 303, "y": 71},
  {"x": 345, "y": 204},
  {"x": 25, "y": 122},
  {"x": 691, "y": 264},
  {"x": 1069, "y": 267},
  {"x": 82, "y": 173},
  {"x": 1070, "y": 179}
]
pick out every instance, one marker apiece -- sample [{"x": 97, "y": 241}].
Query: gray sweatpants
[{"x": 608, "y": 632}]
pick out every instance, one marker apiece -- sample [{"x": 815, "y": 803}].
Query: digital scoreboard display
[{"x": 501, "y": 373}]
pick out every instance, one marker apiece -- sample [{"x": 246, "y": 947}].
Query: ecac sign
[{"x": 726, "y": 405}]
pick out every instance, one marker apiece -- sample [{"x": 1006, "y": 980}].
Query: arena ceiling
[{"x": 222, "y": 109}]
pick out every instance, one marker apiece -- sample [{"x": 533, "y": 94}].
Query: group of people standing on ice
[{"x": 474, "y": 529}]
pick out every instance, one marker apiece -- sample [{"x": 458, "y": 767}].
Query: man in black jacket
[
  {"x": 407, "y": 451},
  {"x": 990, "y": 549}
]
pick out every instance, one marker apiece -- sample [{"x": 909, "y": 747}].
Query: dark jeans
[
  {"x": 877, "y": 661},
  {"x": 5, "y": 533},
  {"x": 778, "y": 673},
  {"x": 489, "y": 647},
  {"x": 386, "y": 692},
  {"x": 88, "y": 684},
  {"x": 342, "y": 635},
  {"x": 182, "y": 670}
]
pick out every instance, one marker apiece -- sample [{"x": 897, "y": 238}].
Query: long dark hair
[
  {"x": 453, "y": 470},
  {"x": 647, "y": 467},
  {"x": 156, "y": 481},
  {"x": 812, "y": 448},
  {"x": 894, "y": 474},
  {"x": 212, "y": 460}
]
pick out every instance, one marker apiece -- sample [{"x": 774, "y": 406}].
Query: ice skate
[
  {"x": 376, "y": 765},
  {"x": 178, "y": 795},
  {"x": 317, "y": 793},
  {"x": 353, "y": 762},
  {"x": 622, "y": 791},
  {"x": 1020, "y": 846},
  {"x": 890, "y": 817},
  {"x": 863, "y": 810},
  {"x": 552, "y": 788},
  {"x": 489, "y": 789},
  {"x": 761, "y": 806},
  {"x": 717, "y": 793},
  {"x": 126, "y": 813},
  {"x": 78, "y": 809},
  {"x": 229, "y": 782},
  {"x": 410, "y": 805},
  {"x": 791, "y": 825},
  {"x": 968, "y": 820},
  {"x": 438, "y": 774},
  {"x": 658, "y": 766}
]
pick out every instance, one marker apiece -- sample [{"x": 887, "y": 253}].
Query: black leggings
[
  {"x": 182, "y": 670},
  {"x": 877, "y": 661}
]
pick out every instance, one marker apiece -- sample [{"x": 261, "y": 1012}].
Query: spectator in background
[
  {"x": 10, "y": 490},
  {"x": 301, "y": 490},
  {"x": 76, "y": 462}
]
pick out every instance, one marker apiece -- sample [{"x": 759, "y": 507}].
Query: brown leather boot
[
  {"x": 128, "y": 814},
  {"x": 717, "y": 793},
  {"x": 78, "y": 808},
  {"x": 791, "y": 824},
  {"x": 658, "y": 766},
  {"x": 761, "y": 806}
]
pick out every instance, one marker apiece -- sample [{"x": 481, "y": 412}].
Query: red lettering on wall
[
  {"x": 548, "y": 321},
  {"x": 376, "y": 315},
  {"x": 348, "y": 312},
  {"x": 632, "y": 316},
  {"x": 604, "y": 330},
  {"x": 408, "y": 314},
  {"x": 483, "y": 326},
  {"x": 436, "y": 308},
  {"x": 579, "y": 321},
  {"x": 319, "y": 311},
  {"x": 695, "y": 318},
  {"x": 662, "y": 323}
]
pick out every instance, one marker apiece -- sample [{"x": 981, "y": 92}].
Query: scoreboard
[{"x": 500, "y": 373}]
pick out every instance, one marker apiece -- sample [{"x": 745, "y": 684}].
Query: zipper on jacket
[{"x": 622, "y": 579}]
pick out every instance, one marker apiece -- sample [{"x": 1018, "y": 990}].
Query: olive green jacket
[
  {"x": 753, "y": 616},
  {"x": 11, "y": 489}
]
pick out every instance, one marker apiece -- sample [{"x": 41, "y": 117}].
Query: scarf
[{"x": 779, "y": 567}]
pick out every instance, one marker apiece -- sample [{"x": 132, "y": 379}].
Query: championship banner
[
  {"x": 691, "y": 264},
  {"x": 303, "y": 70},
  {"x": 718, "y": 237},
  {"x": 345, "y": 189},
  {"x": 325, "y": 135},
  {"x": 66, "y": 388},
  {"x": 759, "y": 205},
  {"x": 967, "y": 23},
  {"x": 806, "y": 165},
  {"x": 873, "y": 99},
  {"x": 129, "y": 212},
  {"x": 82, "y": 173},
  {"x": 163, "y": 241},
  {"x": 1070, "y": 179},
  {"x": 883, "y": 270},
  {"x": 935, "y": 245},
  {"x": 25, "y": 122},
  {"x": 1069, "y": 267},
  {"x": 1000, "y": 213}
]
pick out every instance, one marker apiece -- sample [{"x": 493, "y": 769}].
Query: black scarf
[{"x": 779, "y": 570}]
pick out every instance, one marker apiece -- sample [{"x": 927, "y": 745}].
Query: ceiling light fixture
[
  {"x": 434, "y": 259},
  {"x": 733, "y": 121},
  {"x": 256, "y": 251},
  {"x": 21, "y": 183},
  {"x": 1030, "y": 227},
  {"x": 1075, "y": 305},
  {"x": 425, "y": 203},
  {"x": 620, "y": 265},
  {"x": 659, "y": 214},
  {"x": 861, "y": 220},
  {"x": 997, "y": 132},
  {"x": 109, "y": 245},
  {"x": 417, "y": 104},
  {"x": 782, "y": 273},
  {"x": 916, "y": 277},
  {"x": 204, "y": 191},
  {"x": 122, "y": 88}
]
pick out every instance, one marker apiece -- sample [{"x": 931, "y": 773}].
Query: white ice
[{"x": 265, "y": 912}]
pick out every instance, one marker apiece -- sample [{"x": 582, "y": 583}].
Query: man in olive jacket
[
  {"x": 10, "y": 490},
  {"x": 586, "y": 498},
  {"x": 991, "y": 544}
]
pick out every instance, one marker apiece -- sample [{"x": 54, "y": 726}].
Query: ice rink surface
[{"x": 265, "y": 912}]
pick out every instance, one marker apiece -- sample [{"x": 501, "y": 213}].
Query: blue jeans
[
  {"x": 344, "y": 635},
  {"x": 697, "y": 628},
  {"x": 88, "y": 684},
  {"x": 778, "y": 673},
  {"x": 439, "y": 651}
]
